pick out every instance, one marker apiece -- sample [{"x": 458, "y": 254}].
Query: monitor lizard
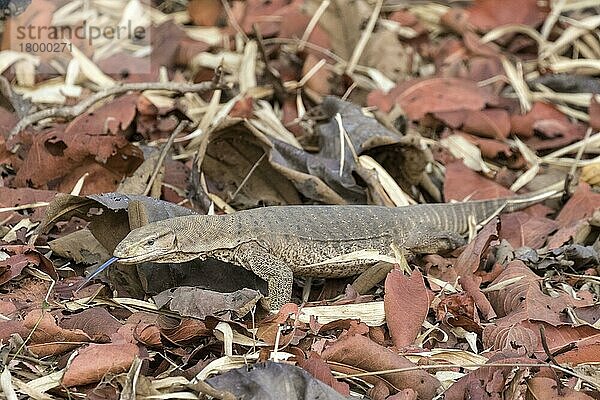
[{"x": 279, "y": 242}]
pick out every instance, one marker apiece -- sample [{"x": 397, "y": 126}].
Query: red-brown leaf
[
  {"x": 95, "y": 361},
  {"x": 367, "y": 355},
  {"x": 582, "y": 205},
  {"x": 489, "y": 14},
  {"x": 406, "y": 303},
  {"x": 522, "y": 229}
]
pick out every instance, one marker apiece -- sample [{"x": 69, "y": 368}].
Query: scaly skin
[{"x": 279, "y": 242}]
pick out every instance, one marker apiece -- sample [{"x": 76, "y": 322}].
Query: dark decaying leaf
[
  {"x": 233, "y": 152},
  {"x": 200, "y": 303},
  {"x": 273, "y": 381},
  {"x": 80, "y": 246},
  {"x": 402, "y": 156}
]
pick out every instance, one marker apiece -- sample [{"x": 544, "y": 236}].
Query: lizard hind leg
[
  {"x": 275, "y": 271},
  {"x": 427, "y": 240}
]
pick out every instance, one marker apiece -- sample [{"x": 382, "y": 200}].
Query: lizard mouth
[{"x": 150, "y": 256}]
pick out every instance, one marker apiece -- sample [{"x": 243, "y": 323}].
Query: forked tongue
[{"x": 97, "y": 272}]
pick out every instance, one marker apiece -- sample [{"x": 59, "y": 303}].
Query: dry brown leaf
[
  {"x": 488, "y": 14},
  {"x": 496, "y": 150},
  {"x": 95, "y": 361},
  {"x": 93, "y": 142},
  {"x": 419, "y": 97},
  {"x": 490, "y": 382},
  {"x": 320, "y": 370},
  {"x": 50, "y": 339},
  {"x": 406, "y": 303},
  {"x": 523, "y": 125},
  {"x": 96, "y": 322},
  {"x": 559, "y": 337},
  {"x": 148, "y": 334},
  {"x": 547, "y": 388},
  {"x": 524, "y": 299},
  {"x": 361, "y": 352},
  {"x": 470, "y": 259},
  {"x": 587, "y": 350},
  {"x": 21, "y": 196},
  {"x": 440, "y": 268},
  {"x": 552, "y": 134},
  {"x": 522, "y": 229},
  {"x": 581, "y": 206},
  {"x": 9, "y": 328},
  {"x": 488, "y": 123},
  {"x": 463, "y": 183},
  {"x": 471, "y": 285},
  {"x": 184, "y": 331},
  {"x": 342, "y": 21},
  {"x": 458, "y": 310},
  {"x": 205, "y": 12}
]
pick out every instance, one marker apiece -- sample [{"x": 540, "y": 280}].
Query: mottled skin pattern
[{"x": 277, "y": 242}]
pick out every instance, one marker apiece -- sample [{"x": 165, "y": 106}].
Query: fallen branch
[{"x": 81, "y": 107}]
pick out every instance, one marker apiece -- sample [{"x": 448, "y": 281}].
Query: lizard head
[{"x": 149, "y": 243}]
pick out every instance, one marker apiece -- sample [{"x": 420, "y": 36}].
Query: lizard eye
[{"x": 150, "y": 242}]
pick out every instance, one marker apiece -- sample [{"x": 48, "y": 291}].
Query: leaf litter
[{"x": 234, "y": 105}]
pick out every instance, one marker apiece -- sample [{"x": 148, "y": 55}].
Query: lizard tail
[{"x": 456, "y": 217}]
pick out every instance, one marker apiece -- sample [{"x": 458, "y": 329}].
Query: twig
[
  {"x": 364, "y": 38},
  {"x": 559, "y": 387},
  {"x": 312, "y": 23},
  {"x": 233, "y": 21},
  {"x": 272, "y": 73},
  {"x": 81, "y": 107},
  {"x": 163, "y": 155},
  {"x": 472, "y": 365},
  {"x": 256, "y": 164},
  {"x": 571, "y": 175},
  {"x": 205, "y": 388}
]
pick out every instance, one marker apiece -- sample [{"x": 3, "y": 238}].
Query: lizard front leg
[{"x": 276, "y": 272}]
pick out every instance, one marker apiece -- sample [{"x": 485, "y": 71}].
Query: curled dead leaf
[{"x": 94, "y": 362}]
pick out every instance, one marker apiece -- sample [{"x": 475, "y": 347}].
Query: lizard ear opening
[{"x": 138, "y": 214}]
